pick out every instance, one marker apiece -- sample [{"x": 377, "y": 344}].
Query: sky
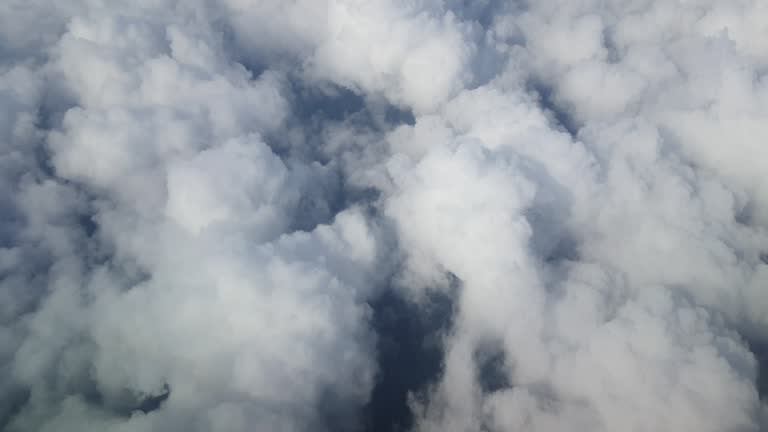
[{"x": 383, "y": 215}]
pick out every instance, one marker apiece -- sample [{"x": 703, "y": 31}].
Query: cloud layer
[{"x": 207, "y": 208}]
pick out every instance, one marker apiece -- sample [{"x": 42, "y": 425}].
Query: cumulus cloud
[{"x": 208, "y": 208}]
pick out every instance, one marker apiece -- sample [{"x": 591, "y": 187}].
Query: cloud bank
[{"x": 342, "y": 215}]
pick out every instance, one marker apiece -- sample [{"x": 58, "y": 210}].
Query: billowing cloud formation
[{"x": 205, "y": 202}]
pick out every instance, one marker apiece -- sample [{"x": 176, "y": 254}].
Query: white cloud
[{"x": 188, "y": 241}]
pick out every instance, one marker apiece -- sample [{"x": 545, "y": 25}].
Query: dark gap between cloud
[{"x": 410, "y": 355}]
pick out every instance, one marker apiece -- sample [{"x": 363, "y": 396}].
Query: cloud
[
  {"x": 193, "y": 289},
  {"x": 207, "y": 206},
  {"x": 420, "y": 58}
]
